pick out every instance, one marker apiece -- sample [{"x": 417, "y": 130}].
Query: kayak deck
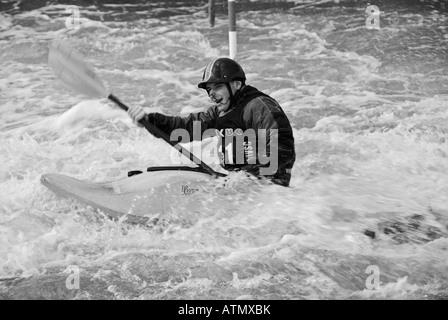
[{"x": 137, "y": 197}]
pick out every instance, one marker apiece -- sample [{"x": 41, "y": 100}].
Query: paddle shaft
[
  {"x": 157, "y": 132},
  {"x": 70, "y": 67}
]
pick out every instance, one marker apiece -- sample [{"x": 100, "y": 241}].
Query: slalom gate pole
[
  {"x": 232, "y": 29},
  {"x": 211, "y": 12}
]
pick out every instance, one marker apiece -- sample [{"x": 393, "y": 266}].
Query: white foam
[
  {"x": 375, "y": 148},
  {"x": 91, "y": 110}
]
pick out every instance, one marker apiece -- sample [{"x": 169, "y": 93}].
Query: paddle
[{"x": 69, "y": 66}]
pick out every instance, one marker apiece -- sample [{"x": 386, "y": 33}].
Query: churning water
[{"x": 366, "y": 215}]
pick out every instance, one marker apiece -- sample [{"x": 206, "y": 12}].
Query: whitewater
[{"x": 365, "y": 217}]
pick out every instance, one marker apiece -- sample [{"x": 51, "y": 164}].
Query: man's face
[{"x": 220, "y": 95}]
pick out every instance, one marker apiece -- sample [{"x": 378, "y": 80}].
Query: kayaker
[{"x": 238, "y": 109}]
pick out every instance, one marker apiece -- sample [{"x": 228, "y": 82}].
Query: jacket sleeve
[
  {"x": 264, "y": 115},
  {"x": 195, "y": 123}
]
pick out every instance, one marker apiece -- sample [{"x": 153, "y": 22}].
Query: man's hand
[{"x": 136, "y": 113}]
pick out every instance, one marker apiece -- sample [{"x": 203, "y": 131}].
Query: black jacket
[{"x": 256, "y": 150}]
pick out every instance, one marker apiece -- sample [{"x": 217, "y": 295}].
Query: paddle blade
[{"x": 69, "y": 66}]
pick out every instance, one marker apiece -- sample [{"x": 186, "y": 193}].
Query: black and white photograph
[{"x": 223, "y": 154}]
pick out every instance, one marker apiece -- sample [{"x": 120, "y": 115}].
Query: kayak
[{"x": 138, "y": 197}]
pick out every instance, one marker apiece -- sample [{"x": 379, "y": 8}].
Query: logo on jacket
[
  {"x": 220, "y": 133},
  {"x": 234, "y": 147}
]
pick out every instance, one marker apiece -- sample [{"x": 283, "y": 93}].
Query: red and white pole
[
  {"x": 211, "y": 12},
  {"x": 232, "y": 30}
]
